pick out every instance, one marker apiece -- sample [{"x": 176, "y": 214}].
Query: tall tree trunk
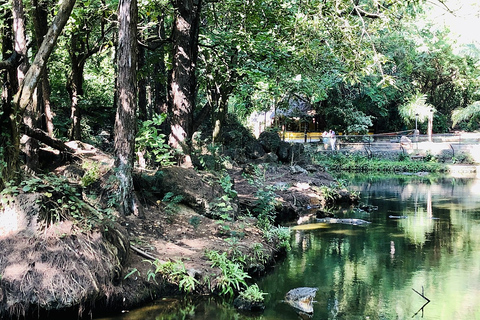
[
  {"x": 125, "y": 119},
  {"x": 142, "y": 85},
  {"x": 9, "y": 164},
  {"x": 160, "y": 91},
  {"x": 183, "y": 80},
  {"x": 75, "y": 84},
  {"x": 32, "y": 113},
  {"x": 40, "y": 23},
  {"x": 35, "y": 71}
]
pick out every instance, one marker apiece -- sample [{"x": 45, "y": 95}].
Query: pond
[{"x": 424, "y": 239}]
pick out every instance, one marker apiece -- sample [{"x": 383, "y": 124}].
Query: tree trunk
[
  {"x": 125, "y": 119},
  {"x": 27, "y": 89},
  {"x": 34, "y": 72},
  {"x": 40, "y": 22},
  {"x": 75, "y": 84},
  {"x": 183, "y": 79},
  {"x": 142, "y": 86},
  {"x": 9, "y": 138},
  {"x": 160, "y": 91},
  {"x": 32, "y": 113}
]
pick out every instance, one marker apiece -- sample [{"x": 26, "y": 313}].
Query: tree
[
  {"x": 125, "y": 119},
  {"x": 182, "y": 88},
  {"x": 88, "y": 36},
  {"x": 26, "y": 90},
  {"x": 40, "y": 23}
]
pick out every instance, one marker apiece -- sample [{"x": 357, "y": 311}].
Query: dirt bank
[{"x": 69, "y": 267}]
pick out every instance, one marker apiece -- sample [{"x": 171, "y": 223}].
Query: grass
[{"x": 361, "y": 163}]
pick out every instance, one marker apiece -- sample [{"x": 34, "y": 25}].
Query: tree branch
[
  {"x": 12, "y": 62},
  {"x": 155, "y": 43}
]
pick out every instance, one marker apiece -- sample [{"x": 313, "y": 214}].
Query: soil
[{"x": 183, "y": 232}]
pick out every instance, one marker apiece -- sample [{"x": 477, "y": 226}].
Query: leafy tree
[
  {"x": 26, "y": 90},
  {"x": 88, "y": 35}
]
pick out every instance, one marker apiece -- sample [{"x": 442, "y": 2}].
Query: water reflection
[{"x": 371, "y": 271}]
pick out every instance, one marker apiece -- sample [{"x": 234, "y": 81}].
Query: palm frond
[
  {"x": 417, "y": 105},
  {"x": 461, "y": 114}
]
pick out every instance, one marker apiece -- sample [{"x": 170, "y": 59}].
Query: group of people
[{"x": 329, "y": 139}]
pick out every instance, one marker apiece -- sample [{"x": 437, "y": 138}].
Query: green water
[{"x": 371, "y": 272}]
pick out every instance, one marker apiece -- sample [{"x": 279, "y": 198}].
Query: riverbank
[
  {"x": 67, "y": 251},
  {"x": 198, "y": 232}
]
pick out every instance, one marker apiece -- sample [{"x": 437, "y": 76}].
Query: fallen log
[{"x": 43, "y": 137}]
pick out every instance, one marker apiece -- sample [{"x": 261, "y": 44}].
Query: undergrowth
[
  {"x": 362, "y": 163},
  {"x": 58, "y": 200}
]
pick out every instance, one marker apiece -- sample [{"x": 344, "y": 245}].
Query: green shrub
[
  {"x": 92, "y": 173},
  {"x": 253, "y": 294},
  {"x": 153, "y": 143},
  {"x": 281, "y": 234},
  {"x": 60, "y": 201},
  {"x": 173, "y": 272},
  {"x": 233, "y": 276}
]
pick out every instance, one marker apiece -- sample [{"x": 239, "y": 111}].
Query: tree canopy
[{"x": 358, "y": 64}]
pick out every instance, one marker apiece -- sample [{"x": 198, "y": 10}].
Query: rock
[
  {"x": 269, "y": 158},
  {"x": 297, "y": 169},
  {"x": 270, "y": 141},
  {"x": 254, "y": 150},
  {"x": 283, "y": 151},
  {"x": 245, "y": 305}
]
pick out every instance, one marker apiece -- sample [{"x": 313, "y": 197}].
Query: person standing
[
  {"x": 325, "y": 139},
  {"x": 332, "y": 139}
]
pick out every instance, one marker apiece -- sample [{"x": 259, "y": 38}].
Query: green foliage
[
  {"x": 253, "y": 294},
  {"x": 171, "y": 200},
  {"x": 211, "y": 159},
  {"x": 227, "y": 185},
  {"x": 234, "y": 251},
  {"x": 266, "y": 199},
  {"x": 329, "y": 193},
  {"x": 416, "y": 107},
  {"x": 280, "y": 234},
  {"x": 174, "y": 272},
  {"x": 463, "y": 158},
  {"x": 463, "y": 114},
  {"x": 153, "y": 143},
  {"x": 357, "y": 162},
  {"x": 59, "y": 201},
  {"x": 265, "y": 206},
  {"x": 258, "y": 253},
  {"x": 233, "y": 277},
  {"x": 195, "y": 221},
  {"x": 132, "y": 272},
  {"x": 92, "y": 173},
  {"x": 222, "y": 207}
]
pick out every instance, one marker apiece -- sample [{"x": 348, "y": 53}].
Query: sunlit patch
[
  {"x": 312, "y": 226},
  {"x": 346, "y": 232}
]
